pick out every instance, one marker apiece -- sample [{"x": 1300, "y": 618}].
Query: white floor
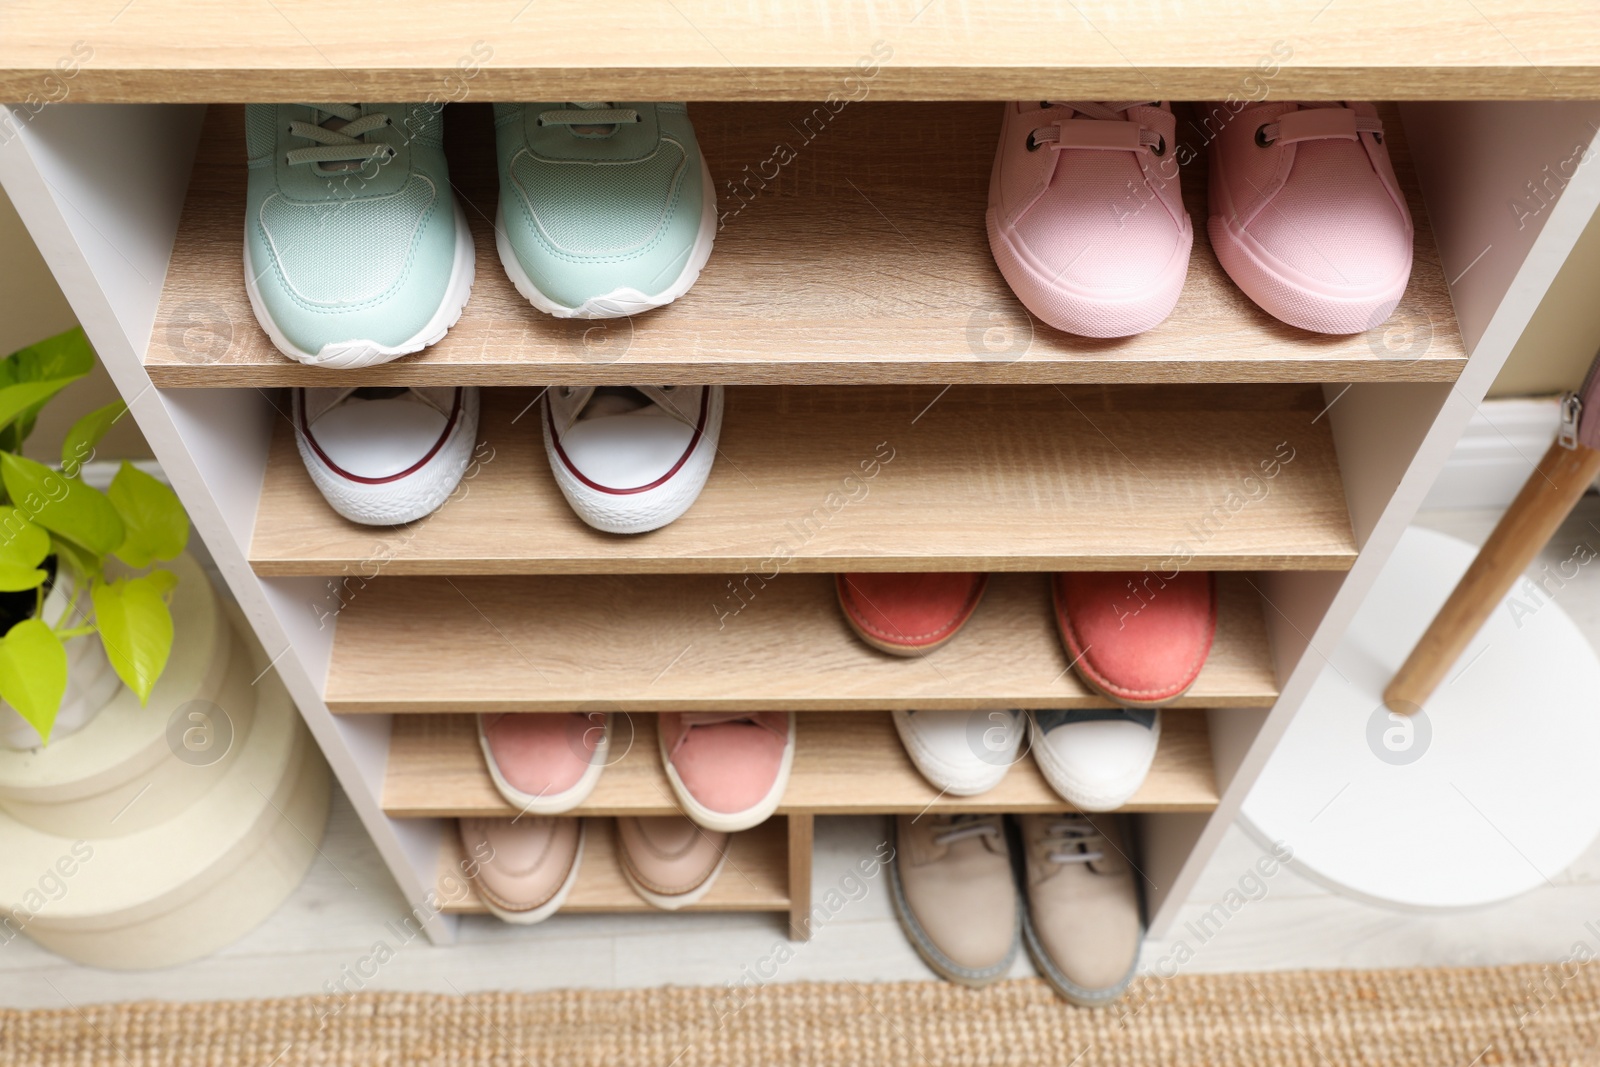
[{"x": 333, "y": 925}]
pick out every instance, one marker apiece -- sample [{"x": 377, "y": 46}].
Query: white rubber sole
[
  {"x": 553, "y": 803},
  {"x": 673, "y": 903},
  {"x": 549, "y": 907},
  {"x": 626, "y": 301},
  {"x": 730, "y": 822},
  {"x": 946, "y": 776},
  {"x": 410, "y": 498},
  {"x": 349, "y": 355},
  {"x": 633, "y": 513},
  {"x": 1103, "y": 796}
]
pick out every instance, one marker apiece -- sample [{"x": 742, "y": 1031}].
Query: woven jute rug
[{"x": 1427, "y": 1018}]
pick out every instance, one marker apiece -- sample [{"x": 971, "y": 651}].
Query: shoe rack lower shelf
[
  {"x": 754, "y": 878},
  {"x": 685, "y": 643},
  {"x": 845, "y": 763}
]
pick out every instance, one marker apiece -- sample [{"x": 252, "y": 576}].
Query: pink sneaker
[
  {"x": 1306, "y": 215},
  {"x": 545, "y": 763},
  {"x": 728, "y": 769},
  {"x": 1085, "y": 217}
]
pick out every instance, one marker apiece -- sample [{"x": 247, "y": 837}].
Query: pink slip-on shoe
[
  {"x": 1137, "y": 638},
  {"x": 729, "y": 769},
  {"x": 1086, "y": 220},
  {"x": 1306, "y": 215},
  {"x": 545, "y": 762},
  {"x": 908, "y": 614}
]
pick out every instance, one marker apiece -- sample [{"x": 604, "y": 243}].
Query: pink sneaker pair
[
  {"x": 728, "y": 770},
  {"x": 1087, "y": 223}
]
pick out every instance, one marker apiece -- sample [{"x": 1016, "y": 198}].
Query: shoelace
[
  {"x": 1069, "y": 837},
  {"x": 960, "y": 827},
  {"x": 343, "y": 144},
  {"x": 1110, "y": 111},
  {"x": 586, "y": 114}
]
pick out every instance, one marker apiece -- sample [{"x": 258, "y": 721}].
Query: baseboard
[{"x": 1496, "y": 454}]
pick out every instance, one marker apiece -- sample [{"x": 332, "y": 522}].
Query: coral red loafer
[
  {"x": 1135, "y": 637},
  {"x": 909, "y": 614}
]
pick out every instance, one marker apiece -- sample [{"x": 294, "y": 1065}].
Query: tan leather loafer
[
  {"x": 954, "y": 894},
  {"x": 1082, "y": 928},
  {"x": 669, "y": 860},
  {"x": 522, "y": 868}
]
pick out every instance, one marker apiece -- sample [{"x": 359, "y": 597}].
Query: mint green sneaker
[
  {"x": 605, "y": 210},
  {"x": 355, "y": 250}
]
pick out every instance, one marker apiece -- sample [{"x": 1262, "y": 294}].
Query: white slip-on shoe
[
  {"x": 1096, "y": 758},
  {"x": 382, "y": 456},
  {"x": 962, "y": 753},
  {"x": 631, "y": 458}
]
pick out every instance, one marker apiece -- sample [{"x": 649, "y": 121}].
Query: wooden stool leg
[
  {"x": 1545, "y": 500},
  {"x": 800, "y": 847}
]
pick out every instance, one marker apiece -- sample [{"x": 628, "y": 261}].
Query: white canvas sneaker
[
  {"x": 1096, "y": 758},
  {"x": 631, "y": 458},
  {"x": 962, "y": 753},
  {"x": 385, "y": 455}
]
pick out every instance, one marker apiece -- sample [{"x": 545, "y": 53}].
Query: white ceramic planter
[{"x": 91, "y": 683}]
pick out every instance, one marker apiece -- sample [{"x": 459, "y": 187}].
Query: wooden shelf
[
  {"x": 700, "y": 49},
  {"x": 865, "y": 260},
  {"x": 755, "y": 878},
  {"x": 847, "y": 478},
  {"x": 654, "y": 643},
  {"x": 845, "y": 763}
]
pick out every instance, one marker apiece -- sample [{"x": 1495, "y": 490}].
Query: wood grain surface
[
  {"x": 845, "y": 763},
  {"x": 170, "y": 50},
  {"x": 754, "y": 878},
  {"x": 864, "y": 258},
  {"x": 657, "y": 643},
  {"x": 884, "y": 478}
]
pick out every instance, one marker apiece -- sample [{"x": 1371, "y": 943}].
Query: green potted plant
[{"x": 83, "y": 608}]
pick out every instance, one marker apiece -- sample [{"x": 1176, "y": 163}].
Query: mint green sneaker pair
[{"x": 356, "y": 252}]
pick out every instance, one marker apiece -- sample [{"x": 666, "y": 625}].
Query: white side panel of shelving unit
[
  {"x": 1509, "y": 188},
  {"x": 101, "y": 188}
]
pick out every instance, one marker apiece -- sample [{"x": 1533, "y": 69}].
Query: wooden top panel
[
  {"x": 845, "y": 763},
  {"x": 755, "y": 878},
  {"x": 886, "y": 478},
  {"x": 864, "y": 259},
  {"x": 683, "y": 643},
  {"x": 174, "y": 50}
]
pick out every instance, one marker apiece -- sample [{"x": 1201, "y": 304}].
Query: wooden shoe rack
[{"x": 853, "y": 303}]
